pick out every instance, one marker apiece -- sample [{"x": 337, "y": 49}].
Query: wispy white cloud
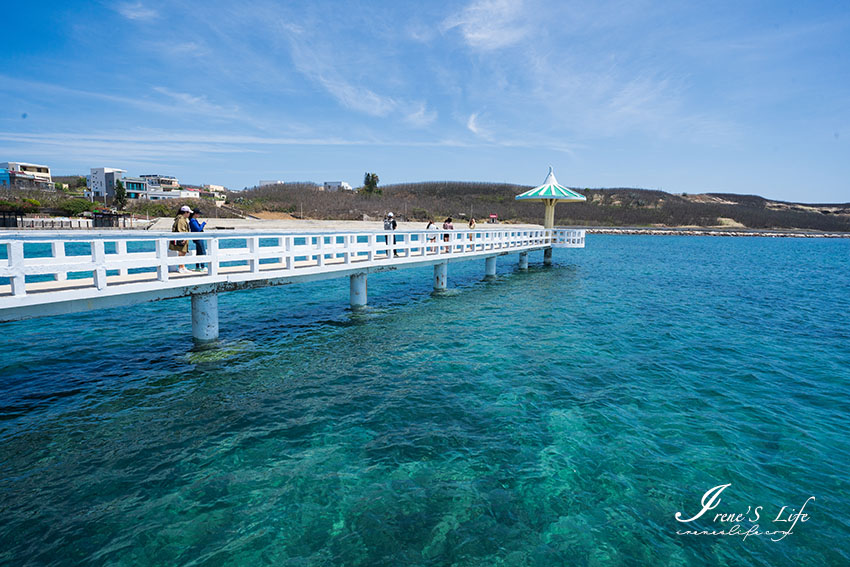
[
  {"x": 490, "y": 24},
  {"x": 136, "y": 11},
  {"x": 472, "y": 123},
  {"x": 421, "y": 116}
]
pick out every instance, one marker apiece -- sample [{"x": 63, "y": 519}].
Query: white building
[
  {"x": 101, "y": 182},
  {"x": 31, "y": 173},
  {"x": 164, "y": 181},
  {"x": 264, "y": 182},
  {"x": 336, "y": 186},
  {"x": 140, "y": 188}
]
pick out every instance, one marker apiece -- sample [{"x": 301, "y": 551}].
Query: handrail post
[
  {"x": 98, "y": 256},
  {"x": 347, "y": 245},
  {"x": 162, "y": 259},
  {"x": 57, "y": 248},
  {"x": 212, "y": 252},
  {"x": 16, "y": 264},
  {"x": 121, "y": 249},
  {"x": 254, "y": 251}
]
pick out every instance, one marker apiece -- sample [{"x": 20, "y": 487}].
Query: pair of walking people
[{"x": 187, "y": 221}]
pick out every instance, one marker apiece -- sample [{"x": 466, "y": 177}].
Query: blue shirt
[{"x": 195, "y": 226}]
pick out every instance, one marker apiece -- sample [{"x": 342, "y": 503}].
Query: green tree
[
  {"x": 120, "y": 194},
  {"x": 370, "y": 184}
]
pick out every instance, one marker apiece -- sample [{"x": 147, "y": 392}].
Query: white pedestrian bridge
[{"x": 47, "y": 273}]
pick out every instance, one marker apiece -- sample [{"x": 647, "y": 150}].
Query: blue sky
[{"x": 741, "y": 97}]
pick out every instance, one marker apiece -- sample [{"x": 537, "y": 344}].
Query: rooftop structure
[
  {"x": 165, "y": 181},
  {"x": 39, "y": 172}
]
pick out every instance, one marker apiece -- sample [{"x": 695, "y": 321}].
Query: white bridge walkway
[{"x": 57, "y": 272}]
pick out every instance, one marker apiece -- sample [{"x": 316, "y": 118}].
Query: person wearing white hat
[
  {"x": 181, "y": 224},
  {"x": 390, "y": 224}
]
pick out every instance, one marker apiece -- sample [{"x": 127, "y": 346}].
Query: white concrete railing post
[
  {"x": 320, "y": 247},
  {"x": 16, "y": 267},
  {"x": 287, "y": 241},
  {"x": 357, "y": 287},
  {"x": 98, "y": 256},
  {"x": 57, "y": 249},
  {"x": 347, "y": 243},
  {"x": 121, "y": 249},
  {"x": 162, "y": 259},
  {"x": 254, "y": 250},
  {"x": 212, "y": 252},
  {"x": 204, "y": 317}
]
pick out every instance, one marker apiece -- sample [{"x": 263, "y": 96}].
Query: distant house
[
  {"x": 101, "y": 182},
  {"x": 217, "y": 193},
  {"x": 164, "y": 181},
  {"x": 264, "y": 182},
  {"x": 336, "y": 186},
  {"x": 157, "y": 188},
  {"x": 28, "y": 175}
]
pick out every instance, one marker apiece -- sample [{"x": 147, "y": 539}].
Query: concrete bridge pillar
[
  {"x": 547, "y": 257},
  {"x": 523, "y": 260},
  {"x": 441, "y": 273},
  {"x": 205, "y": 317},
  {"x": 357, "y": 290},
  {"x": 490, "y": 267}
]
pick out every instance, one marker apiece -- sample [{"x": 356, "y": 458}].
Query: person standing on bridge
[
  {"x": 200, "y": 245},
  {"x": 447, "y": 225},
  {"x": 181, "y": 224},
  {"x": 390, "y": 224}
]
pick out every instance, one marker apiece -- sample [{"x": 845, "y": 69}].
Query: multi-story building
[
  {"x": 39, "y": 172},
  {"x": 164, "y": 181},
  {"x": 28, "y": 175},
  {"x": 136, "y": 187},
  {"x": 336, "y": 186},
  {"x": 101, "y": 182},
  {"x": 141, "y": 188}
]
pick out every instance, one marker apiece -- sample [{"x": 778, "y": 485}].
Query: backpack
[{"x": 388, "y": 223}]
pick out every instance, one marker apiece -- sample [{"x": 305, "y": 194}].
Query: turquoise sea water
[{"x": 556, "y": 417}]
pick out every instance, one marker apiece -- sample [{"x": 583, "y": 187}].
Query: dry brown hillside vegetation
[{"x": 604, "y": 207}]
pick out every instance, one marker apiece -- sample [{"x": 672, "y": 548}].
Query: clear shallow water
[{"x": 559, "y": 416}]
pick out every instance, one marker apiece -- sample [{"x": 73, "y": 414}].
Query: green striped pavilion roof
[{"x": 551, "y": 190}]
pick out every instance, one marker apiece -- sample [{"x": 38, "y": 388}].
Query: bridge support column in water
[
  {"x": 357, "y": 290},
  {"x": 204, "y": 317},
  {"x": 490, "y": 267},
  {"x": 523, "y": 260},
  {"x": 441, "y": 272},
  {"x": 547, "y": 257}
]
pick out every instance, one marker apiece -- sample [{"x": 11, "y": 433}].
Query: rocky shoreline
[{"x": 714, "y": 232}]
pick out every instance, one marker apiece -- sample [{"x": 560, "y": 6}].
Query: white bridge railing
[
  {"x": 567, "y": 238},
  {"x": 41, "y": 262}
]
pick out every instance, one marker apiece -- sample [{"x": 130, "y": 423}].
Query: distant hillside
[{"x": 604, "y": 207}]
